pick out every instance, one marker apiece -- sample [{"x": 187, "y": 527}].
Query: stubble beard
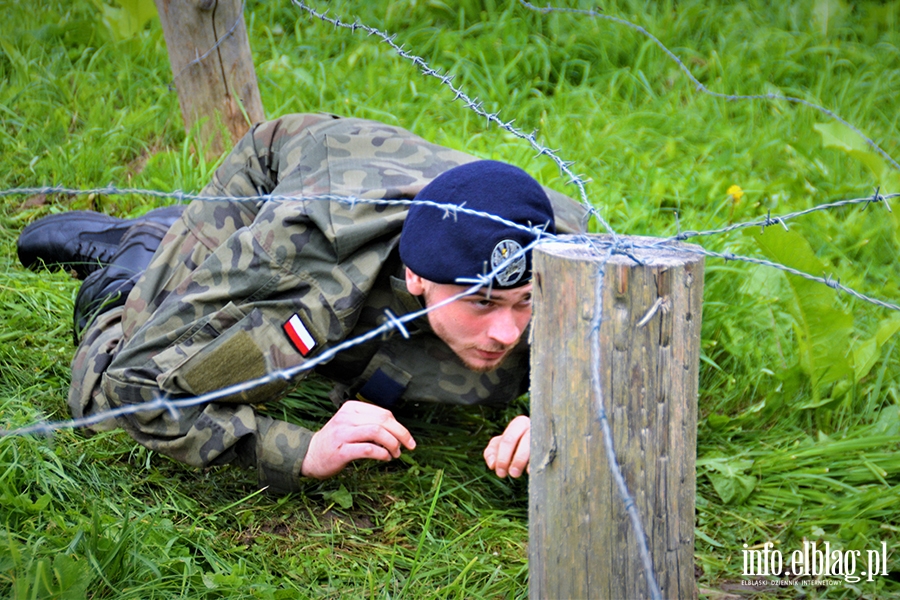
[{"x": 485, "y": 368}]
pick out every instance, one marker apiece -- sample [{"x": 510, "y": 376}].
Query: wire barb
[
  {"x": 397, "y": 324},
  {"x": 661, "y": 303},
  {"x": 876, "y": 197}
]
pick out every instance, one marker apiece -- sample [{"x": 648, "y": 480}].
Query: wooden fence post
[
  {"x": 581, "y": 542},
  {"x": 212, "y": 67}
]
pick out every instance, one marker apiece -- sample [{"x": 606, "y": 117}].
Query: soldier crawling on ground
[{"x": 186, "y": 300}]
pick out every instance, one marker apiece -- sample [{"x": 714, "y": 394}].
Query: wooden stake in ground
[
  {"x": 212, "y": 68},
  {"x": 582, "y": 543}
]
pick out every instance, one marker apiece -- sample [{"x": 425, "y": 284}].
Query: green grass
[{"x": 780, "y": 457}]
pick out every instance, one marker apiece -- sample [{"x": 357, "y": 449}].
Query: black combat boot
[
  {"x": 82, "y": 241},
  {"x": 108, "y": 287}
]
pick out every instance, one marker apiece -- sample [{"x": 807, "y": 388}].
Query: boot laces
[{"x": 89, "y": 257}]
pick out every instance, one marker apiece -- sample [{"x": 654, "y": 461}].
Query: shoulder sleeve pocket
[{"x": 220, "y": 354}]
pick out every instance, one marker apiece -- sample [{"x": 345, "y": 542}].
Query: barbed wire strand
[
  {"x": 876, "y": 198},
  {"x": 180, "y": 196},
  {"x": 611, "y": 459},
  {"x": 622, "y": 247},
  {"x": 702, "y": 88},
  {"x": 619, "y": 245},
  {"x": 833, "y": 283},
  {"x": 471, "y": 103}
]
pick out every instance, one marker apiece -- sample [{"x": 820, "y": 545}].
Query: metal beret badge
[{"x": 514, "y": 270}]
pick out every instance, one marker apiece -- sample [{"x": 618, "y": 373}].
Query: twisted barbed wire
[
  {"x": 180, "y": 196},
  {"x": 471, "y": 103},
  {"x": 702, "y": 88},
  {"x": 876, "y": 198},
  {"x": 827, "y": 280},
  {"x": 617, "y": 244},
  {"x": 611, "y": 459}
]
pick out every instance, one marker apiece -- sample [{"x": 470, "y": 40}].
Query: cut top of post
[{"x": 650, "y": 251}]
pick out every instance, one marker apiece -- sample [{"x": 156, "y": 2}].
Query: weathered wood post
[
  {"x": 581, "y": 543},
  {"x": 212, "y": 67}
]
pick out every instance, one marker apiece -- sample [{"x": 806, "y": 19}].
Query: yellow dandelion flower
[{"x": 736, "y": 192}]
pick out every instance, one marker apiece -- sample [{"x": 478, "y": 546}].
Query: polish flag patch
[{"x": 299, "y": 335}]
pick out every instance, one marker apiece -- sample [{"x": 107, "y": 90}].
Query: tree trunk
[{"x": 212, "y": 68}]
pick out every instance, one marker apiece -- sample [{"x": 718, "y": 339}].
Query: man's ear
[{"x": 414, "y": 284}]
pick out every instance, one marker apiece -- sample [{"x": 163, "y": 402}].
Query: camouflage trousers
[{"x": 94, "y": 353}]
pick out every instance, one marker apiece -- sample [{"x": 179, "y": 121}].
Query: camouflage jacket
[{"x": 242, "y": 288}]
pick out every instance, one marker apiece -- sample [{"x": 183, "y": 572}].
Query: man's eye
[
  {"x": 525, "y": 301},
  {"x": 484, "y": 303}
]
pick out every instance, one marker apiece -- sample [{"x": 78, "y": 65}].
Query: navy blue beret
[{"x": 443, "y": 246}]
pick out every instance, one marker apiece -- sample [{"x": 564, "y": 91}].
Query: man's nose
[{"x": 504, "y": 328}]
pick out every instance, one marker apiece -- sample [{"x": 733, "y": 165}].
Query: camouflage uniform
[{"x": 210, "y": 311}]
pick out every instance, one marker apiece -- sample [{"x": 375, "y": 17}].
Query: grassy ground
[{"x": 799, "y": 429}]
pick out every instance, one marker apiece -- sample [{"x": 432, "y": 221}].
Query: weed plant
[{"x": 800, "y": 387}]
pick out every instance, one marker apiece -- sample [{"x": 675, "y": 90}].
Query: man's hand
[
  {"x": 357, "y": 430},
  {"x": 509, "y": 453}
]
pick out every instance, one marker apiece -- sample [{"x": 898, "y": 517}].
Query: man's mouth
[{"x": 490, "y": 355}]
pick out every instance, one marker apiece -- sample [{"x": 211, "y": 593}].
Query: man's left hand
[{"x": 508, "y": 454}]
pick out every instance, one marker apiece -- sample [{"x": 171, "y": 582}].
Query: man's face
[{"x": 481, "y": 330}]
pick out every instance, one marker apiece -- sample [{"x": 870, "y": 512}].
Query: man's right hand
[{"x": 357, "y": 430}]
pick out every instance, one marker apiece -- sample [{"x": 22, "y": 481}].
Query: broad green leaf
[
  {"x": 887, "y": 329},
  {"x": 888, "y": 422},
  {"x": 727, "y": 478},
  {"x": 864, "y": 358},
  {"x": 823, "y": 331},
  {"x": 215, "y": 581},
  {"x": 342, "y": 497},
  {"x": 728, "y": 466},
  {"x": 819, "y": 401},
  {"x": 732, "y": 489},
  {"x": 23, "y": 501},
  {"x": 128, "y": 20},
  {"x": 73, "y": 576},
  {"x": 718, "y": 421},
  {"x": 867, "y": 354},
  {"x": 140, "y": 11},
  {"x": 840, "y": 137},
  {"x": 763, "y": 281}
]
